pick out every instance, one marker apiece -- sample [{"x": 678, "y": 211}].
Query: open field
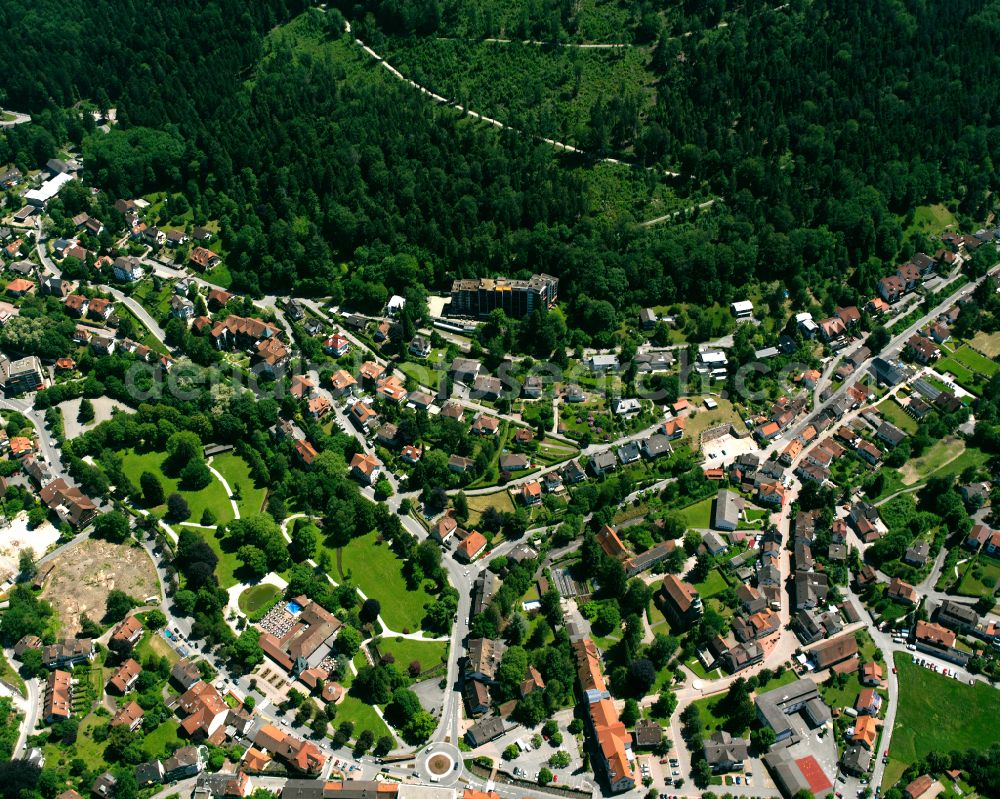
[
  {"x": 83, "y": 577},
  {"x": 975, "y": 361},
  {"x": 700, "y": 514},
  {"x": 362, "y": 715},
  {"x": 163, "y": 740},
  {"x": 212, "y": 496},
  {"x": 986, "y": 343},
  {"x": 939, "y": 454},
  {"x": 702, "y": 419},
  {"x": 971, "y": 369},
  {"x": 931, "y": 219},
  {"x": 937, "y": 713},
  {"x": 374, "y": 568},
  {"x": 477, "y": 504},
  {"x": 237, "y": 473}
]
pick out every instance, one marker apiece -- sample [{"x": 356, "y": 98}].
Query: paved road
[
  {"x": 19, "y": 118},
  {"x": 140, "y": 312}
]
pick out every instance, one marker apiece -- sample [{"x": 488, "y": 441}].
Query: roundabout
[{"x": 441, "y": 763}]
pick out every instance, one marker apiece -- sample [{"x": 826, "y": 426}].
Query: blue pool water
[{"x": 294, "y": 608}]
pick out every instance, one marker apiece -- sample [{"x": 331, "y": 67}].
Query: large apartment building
[{"x": 516, "y": 298}]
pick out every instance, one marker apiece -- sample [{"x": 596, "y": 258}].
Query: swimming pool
[{"x": 294, "y": 608}]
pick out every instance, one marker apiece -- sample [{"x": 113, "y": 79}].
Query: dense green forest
[{"x": 819, "y": 126}]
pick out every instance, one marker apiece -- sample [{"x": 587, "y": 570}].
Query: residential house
[
  {"x": 128, "y": 715},
  {"x": 485, "y": 425},
  {"x": 923, "y": 349},
  {"x": 865, "y": 732},
  {"x": 187, "y": 761},
  {"x": 176, "y": 238},
  {"x": 336, "y": 345},
  {"x": 868, "y": 702},
  {"x": 204, "y": 713},
  {"x": 917, "y": 553},
  {"x": 891, "y": 288},
  {"x": 181, "y": 307},
  {"x": 126, "y": 635},
  {"x": 903, "y": 592},
  {"x": 301, "y": 756},
  {"x": 628, "y": 453},
  {"x": 420, "y": 346},
  {"x": 363, "y": 416},
  {"x": 57, "y": 703},
  {"x": 127, "y": 269},
  {"x": 725, "y": 753},
  {"x": 69, "y": 503},
  {"x": 465, "y": 370},
  {"x": 471, "y": 547},
  {"x": 572, "y": 473},
  {"x": 460, "y": 464},
  {"x": 603, "y": 462},
  {"x": 67, "y": 652},
  {"x": 366, "y": 468},
  {"x": 104, "y": 786},
  {"x": 342, "y": 383},
  {"x": 202, "y": 258},
  {"x": 603, "y": 363}
]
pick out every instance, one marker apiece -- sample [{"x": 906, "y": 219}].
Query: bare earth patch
[
  {"x": 987, "y": 343},
  {"x": 83, "y": 577},
  {"x": 16, "y": 536}
]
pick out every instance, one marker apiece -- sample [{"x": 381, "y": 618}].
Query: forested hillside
[{"x": 819, "y": 126}]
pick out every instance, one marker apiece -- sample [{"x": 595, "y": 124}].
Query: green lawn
[
  {"x": 975, "y": 361},
  {"x": 158, "y": 742},
  {"x": 236, "y": 471},
  {"x": 700, "y": 514},
  {"x": 85, "y": 748},
  {"x": 220, "y": 276},
  {"x": 253, "y": 599},
  {"x": 695, "y": 665},
  {"x": 970, "y": 457},
  {"x": 894, "y": 413},
  {"x": 363, "y": 716},
  {"x": 931, "y": 219},
  {"x": 405, "y": 651},
  {"x": 841, "y": 697},
  {"x": 711, "y": 722},
  {"x": 212, "y": 496},
  {"x": 10, "y": 676},
  {"x": 376, "y": 570},
  {"x": 713, "y": 584},
  {"x": 981, "y": 577},
  {"x": 937, "y": 713},
  {"x": 787, "y": 678},
  {"x": 228, "y": 563},
  {"x": 155, "y": 644}
]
